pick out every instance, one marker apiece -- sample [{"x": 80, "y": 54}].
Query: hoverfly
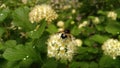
[{"x": 65, "y": 34}]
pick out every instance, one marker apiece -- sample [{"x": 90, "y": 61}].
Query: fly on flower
[
  {"x": 62, "y": 46},
  {"x": 65, "y": 34}
]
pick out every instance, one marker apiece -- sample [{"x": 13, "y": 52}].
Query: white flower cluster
[
  {"x": 85, "y": 23},
  {"x": 112, "y": 48},
  {"x": 61, "y": 49},
  {"x": 3, "y": 6},
  {"x": 40, "y": 12},
  {"x": 112, "y": 15},
  {"x": 24, "y": 1}
]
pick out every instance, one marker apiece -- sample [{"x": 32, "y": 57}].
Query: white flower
[
  {"x": 112, "y": 15},
  {"x": 61, "y": 48},
  {"x": 19, "y": 28},
  {"x": 73, "y": 11},
  {"x": 40, "y": 12},
  {"x": 67, "y": 7},
  {"x": 112, "y": 48},
  {"x": 3, "y": 6},
  {"x": 60, "y": 29},
  {"x": 85, "y": 23},
  {"x": 72, "y": 22},
  {"x": 96, "y": 20},
  {"x": 79, "y": 42},
  {"x": 24, "y": 1},
  {"x": 60, "y": 24}
]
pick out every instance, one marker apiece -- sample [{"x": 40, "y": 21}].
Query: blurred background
[{"x": 23, "y": 36}]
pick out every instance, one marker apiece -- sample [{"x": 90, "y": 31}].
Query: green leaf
[
  {"x": 21, "y": 53},
  {"x": 92, "y": 50},
  {"x": 113, "y": 27},
  {"x": 88, "y": 42},
  {"x": 119, "y": 37},
  {"x": 118, "y": 12},
  {"x": 3, "y": 63},
  {"x": 2, "y": 30},
  {"x": 10, "y": 43},
  {"x": 26, "y": 63},
  {"x": 75, "y": 30},
  {"x": 1, "y": 46},
  {"x": 82, "y": 50},
  {"x": 84, "y": 65},
  {"x": 52, "y": 28},
  {"x": 50, "y": 64},
  {"x": 21, "y": 19},
  {"x": 41, "y": 42},
  {"x": 15, "y": 54},
  {"x": 61, "y": 65},
  {"x": 93, "y": 65},
  {"x": 12, "y": 64},
  {"x": 106, "y": 62},
  {"x": 67, "y": 23},
  {"x": 100, "y": 27},
  {"x": 86, "y": 31},
  {"x": 75, "y": 65},
  {"x": 37, "y": 34},
  {"x": 3, "y": 14},
  {"x": 95, "y": 38},
  {"x": 99, "y": 38},
  {"x": 21, "y": 56},
  {"x": 31, "y": 52},
  {"x": 101, "y": 12}
]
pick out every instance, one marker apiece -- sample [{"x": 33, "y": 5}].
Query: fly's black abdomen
[{"x": 63, "y": 36}]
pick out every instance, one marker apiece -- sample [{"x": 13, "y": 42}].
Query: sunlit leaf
[
  {"x": 21, "y": 53},
  {"x": 113, "y": 27},
  {"x": 21, "y": 19},
  {"x": 99, "y": 38},
  {"x": 3, "y": 14},
  {"x": 10, "y": 43},
  {"x": 15, "y": 54}
]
